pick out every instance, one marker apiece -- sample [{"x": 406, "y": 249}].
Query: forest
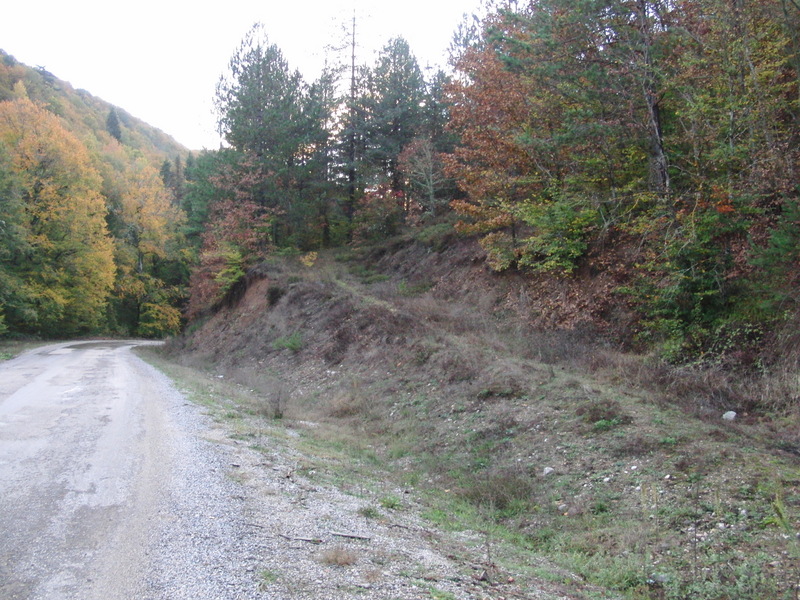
[{"x": 652, "y": 140}]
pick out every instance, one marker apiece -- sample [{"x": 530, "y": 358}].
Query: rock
[
  {"x": 658, "y": 579},
  {"x": 730, "y": 415},
  {"x": 548, "y": 471}
]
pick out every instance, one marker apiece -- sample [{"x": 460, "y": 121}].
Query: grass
[
  {"x": 292, "y": 342},
  {"x": 12, "y": 348},
  {"x": 391, "y": 503},
  {"x": 437, "y": 594},
  {"x": 369, "y": 512},
  {"x": 267, "y": 578},
  {"x": 605, "y": 533}
]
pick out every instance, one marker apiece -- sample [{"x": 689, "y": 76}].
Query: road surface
[
  {"x": 105, "y": 494},
  {"x": 114, "y": 487}
]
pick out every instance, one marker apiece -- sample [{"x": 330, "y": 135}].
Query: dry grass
[
  {"x": 349, "y": 400},
  {"x": 338, "y": 556}
]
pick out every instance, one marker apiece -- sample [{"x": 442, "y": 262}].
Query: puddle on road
[{"x": 91, "y": 345}]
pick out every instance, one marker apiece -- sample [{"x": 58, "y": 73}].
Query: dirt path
[
  {"x": 115, "y": 486},
  {"x": 108, "y": 490}
]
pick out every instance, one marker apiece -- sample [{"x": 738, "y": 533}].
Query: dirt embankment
[{"x": 501, "y": 393}]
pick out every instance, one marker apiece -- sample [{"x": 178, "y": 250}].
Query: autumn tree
[
  {"x": 63, "y": 258},
  {"x": 148, "y": 248},
  {"x": 236, "y": 237},
  {"x": 671, "y": 122},
  {"x": 14, "y": 245}
]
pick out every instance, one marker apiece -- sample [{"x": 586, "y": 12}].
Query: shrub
[{"x": 293, "y": 342}]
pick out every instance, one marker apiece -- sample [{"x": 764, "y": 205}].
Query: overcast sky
[{"x": 160, "y": 59}]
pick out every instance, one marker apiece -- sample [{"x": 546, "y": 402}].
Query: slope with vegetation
[
  {"x": 609, "y": 474},
  {"x": 630, "y": 154}
]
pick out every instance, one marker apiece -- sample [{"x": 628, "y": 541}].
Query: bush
[{"x": 293, "y": 342}]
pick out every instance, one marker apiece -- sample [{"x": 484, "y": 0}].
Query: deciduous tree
[{"x": 67, "y": 270}]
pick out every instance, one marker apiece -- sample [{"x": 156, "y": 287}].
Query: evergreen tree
[
  {"x": 113, "y": 125},
  {"x": 395, "y": 92}
]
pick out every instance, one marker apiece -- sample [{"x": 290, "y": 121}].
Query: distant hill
[
  {"x": 91, "y": 218},
  {"x": 84, "y": 114}
]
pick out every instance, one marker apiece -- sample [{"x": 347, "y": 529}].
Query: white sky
[{"x": 160, "y": 59}]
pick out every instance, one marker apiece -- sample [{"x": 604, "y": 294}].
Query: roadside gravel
[{"x": 245, "y": 523}]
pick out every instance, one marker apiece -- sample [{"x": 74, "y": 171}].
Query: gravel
[{"x": 239, "y": 523}]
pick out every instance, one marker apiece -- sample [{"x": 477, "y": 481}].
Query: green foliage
[
  {"x": 232, "y": 270},
  {"x": 379, "y": 215},
  {"x": 113, "y": 125},
  {"x": 292, "y": 342},
  {"x": 683, "y": 290},
  {"x": 560, "y": 235}
]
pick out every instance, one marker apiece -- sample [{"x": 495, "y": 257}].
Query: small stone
[
  {"x": 659, "y": 578},
  {"x": 548, "y": 471},
  {"x": 730, "y": 415}
]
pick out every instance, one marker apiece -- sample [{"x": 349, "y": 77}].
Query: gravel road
[{"x": 114, "y": 486}]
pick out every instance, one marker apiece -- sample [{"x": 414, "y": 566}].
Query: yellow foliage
[
  {"x": 309, "y": 259},
  {"x": 73, "y": 267}
]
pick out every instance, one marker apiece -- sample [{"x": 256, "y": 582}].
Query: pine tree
[
  {"x": 113, "y": 125},
  {"x": 396, "y": 91}
]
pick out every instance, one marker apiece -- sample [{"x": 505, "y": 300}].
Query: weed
[
  {"x": 268, "y": 577},
  {"x": 391, "y": 503},
  {"x": 437, "y": 594},
  {"x": 416, "y": 289},
  {"x": 367, "y": 275},
  {"x": 292, "y": 342},
  {"x": 309, "y": 259},
  {"x": 348, "y": 401},
  {"x": 606, "y": 424},
  {"x": 608, "y": 412},
  {"x": 369, "y": 512},
  {"x": 274, "y": 294}
]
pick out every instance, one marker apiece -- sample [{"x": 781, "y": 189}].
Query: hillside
[
  {"x": 578, "y": 463},
  {"x": 85, "y": 114},
  {"x": 92, "y": 238}
]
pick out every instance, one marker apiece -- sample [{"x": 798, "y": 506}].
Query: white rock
[
  {"x": 548, "y": 470},
  {"x": 730, "y": 415}
]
